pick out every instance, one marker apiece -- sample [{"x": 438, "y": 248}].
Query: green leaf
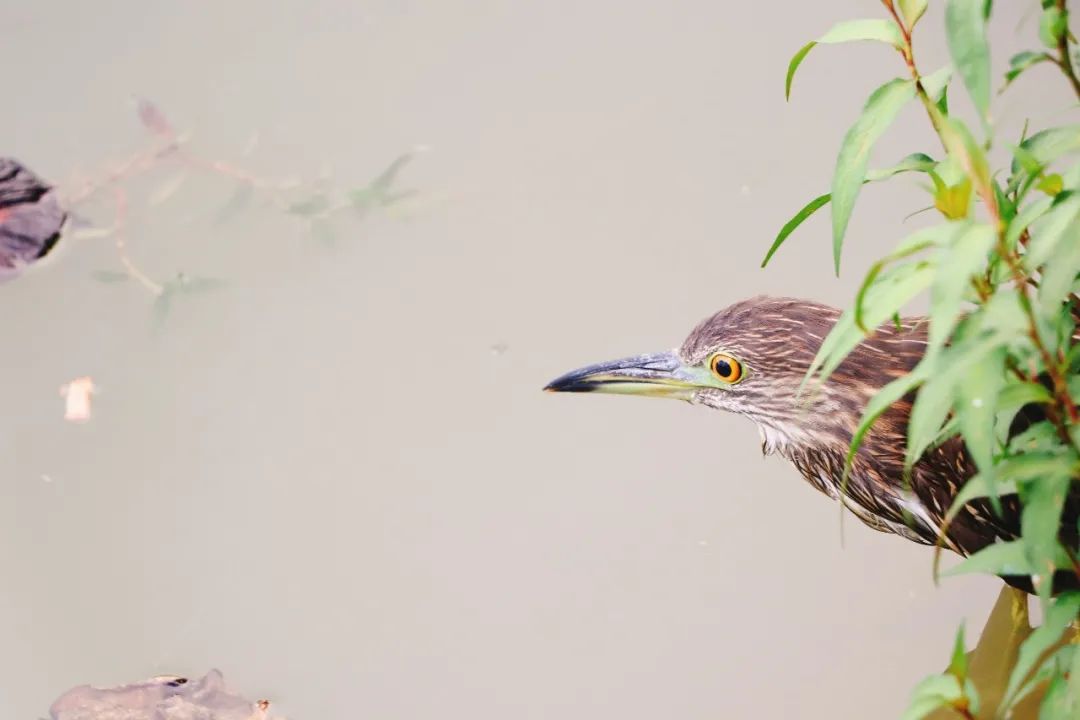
[
  {"x": 1039, "y": 438},
  {"x": 1052, "y": 26},
  {"x": 912, "y": 10},
  {"x": 1074, "y": 680},
  {"x": 932, "y": 693},
  {"x": 922, "y": 240},
  {"x": 1002, "y": 558},
  {"x": 1059, "y": 273},
  {"x": 881, "y": 401},
  {"x": 789, "y": 227},
  {"x": 850, "y": 31},
  {"x": 977, "y": 397},
  {"x": 1039, "y": 523},
  {"x": 880, "y": 111},
  {"x": 1061, "y": 611},
  {"x": 943, "y": 103},
  {"x": 796, "y": 60},
  {"x": 939, "y": 393},
  {"x": 964, "y": 254},
  {"x": 110, "y": 276},
  {"x": 1022, "y": 61},
  {"x": 916, "y": 162},
  {"x": 965, "y": 30},
  {"x": 958, "y": 667},
  {"x": 1047, "y": 233},
  {"x": 1029, "y": 214},
  {"x": 935, "y": 83},
  {"x": 954, "y": 201},
  {"x": 1051, "y": 184},
  {"x": 1050, "y": 144},
  {"x": 889, "y": 292},
  {"x": 978, "y": 486},
  {"x": 1057, "y": 701},
  {"x": 962, "y": 146}
]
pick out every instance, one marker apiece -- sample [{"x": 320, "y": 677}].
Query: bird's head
[{"x": 751, "y": 358}]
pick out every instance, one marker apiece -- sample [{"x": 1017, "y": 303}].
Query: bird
[{"x": 751, "y": 359}]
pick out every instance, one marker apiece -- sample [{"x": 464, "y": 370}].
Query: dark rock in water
[
  {"x": 30, "y": 218},
  {"x": 166, "y": 697}
]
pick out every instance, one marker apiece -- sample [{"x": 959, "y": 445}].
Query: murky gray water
[{"x": 336, "y": 478}]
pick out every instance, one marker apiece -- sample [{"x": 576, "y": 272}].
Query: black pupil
[{"x": 723, "y": 368}]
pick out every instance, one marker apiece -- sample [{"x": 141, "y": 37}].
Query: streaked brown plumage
[{"x": 776, "y": 340}]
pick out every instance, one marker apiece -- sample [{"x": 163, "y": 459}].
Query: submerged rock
[
  {"x": 166, "y": 697},
  {"x": 30, "y": 218}
]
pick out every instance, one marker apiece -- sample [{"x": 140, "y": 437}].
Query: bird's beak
[{"x": 657, "y": 375}]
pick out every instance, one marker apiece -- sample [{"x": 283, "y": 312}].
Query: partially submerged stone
[
  {"x": 30, "y": 218},
  {"x": 165, "y": 697}
]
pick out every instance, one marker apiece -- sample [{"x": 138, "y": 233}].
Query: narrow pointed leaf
[
  {"x": 963, "y": 148},
  {"x": 1029, "y": 214},
  {"x": 1003, "y": 558},
  {"x": 1039, "y": 522},
  {"x": 1050, "y": 230},
  {"x": 939, "y": 394},
  {"x": 963, "y": 255},
  {"x": 850, "y": 31},
  {"x": 1060, "y": 273},
  {"x": 881, "y": 109},
  {"x": 911, "y": 11},
  {"x": 1022, "y": 61},
  {"x": 916, "y": 162},
  {"x": 1059, "y": 614},
  {"x": 1050, "y": 144},
  {"x": 889, "y": 293},
  {"x": 935, "y": 83},
  {"x": 977, "y": 398},
  {"x": 965, "y": 30},
  {"x": 958, "y": 664},
  {"x": 932, "y": 693},
  {"x": 884, "y": 399},
  {"x": 796, "y": 60}
]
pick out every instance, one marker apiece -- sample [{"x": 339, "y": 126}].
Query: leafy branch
[{"x": 1002, "y": 331}]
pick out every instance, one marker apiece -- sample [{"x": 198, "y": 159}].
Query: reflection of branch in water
[
  {"x": 121, "y": 246},
  {"x": 315, "y": 203}
]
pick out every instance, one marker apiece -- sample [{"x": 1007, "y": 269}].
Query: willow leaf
[
  {"x": 1059, "y": 614},
  {"x": 965, "y": 31},
  {"x": 849, "y": 31},
  {"x": 879, "y": 112},
  {"x": 916, "y": 162}
]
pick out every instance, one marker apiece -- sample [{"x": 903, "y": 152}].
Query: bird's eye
[{"x": 726, "y": 368}]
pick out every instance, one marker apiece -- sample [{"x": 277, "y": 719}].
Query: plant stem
[
  {"x": 121, "y": 247},
  {"x": 1064, "y": 61}
]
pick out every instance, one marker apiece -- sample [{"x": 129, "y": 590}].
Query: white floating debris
[{"x": 78, "y": 392}]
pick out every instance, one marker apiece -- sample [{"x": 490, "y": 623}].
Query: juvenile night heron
[{"x": 751, "y": 357}]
